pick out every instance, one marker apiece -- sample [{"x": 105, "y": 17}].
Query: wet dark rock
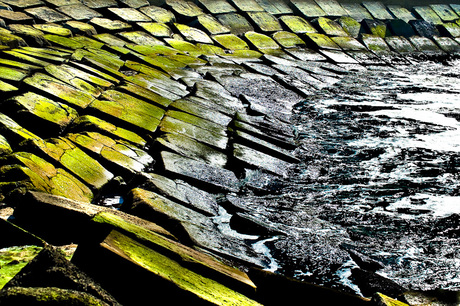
[
  {"x": 424, "y": 28},
  {"x": 400, "y": 27},
  {"x": 370, "y": 282}
]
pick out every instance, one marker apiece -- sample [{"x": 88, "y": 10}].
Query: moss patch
[{"x": 13, "y": 259}]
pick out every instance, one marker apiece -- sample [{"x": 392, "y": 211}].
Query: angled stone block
[
  {"x": 58, "y": 3},
  {"x": 331, "y": 7},
  {"x": 156, "y": 29},
  {"x": 47, "y": 14},
  {"x": 184, "y": 9},
  {"x": 231, "y": 42},
  {"x": 10, "y": 40},
  {"x": 377, "y": 10},
  {"x": 288, "y": 39},
  {"x": 189, "y": 169},
  {"x": 456, "y": 8},
  {"x": 307, "y": 8},
  {"x": 247, "y": 5},
  {"x": 12, "y": 74},
  {"x": 198, "y": 121},
  {"x": 427, "y": 13},
  {"x": 201, "y": 111},
  {"x": 184, "y": 145},
  {"x": 262, "y": 42},
  {"x": 237, "y": 23},
  {"x": 425, "y": 45},
  {"x": 376, "y": 27},
  {"x": 265, "y": 22},
  {"x": 211, "y": 25},
  {"x": 399, "y": 27},
  {"x": 31, "y": 35},
  {"x": 320, "y": 41},
  {"x": 449, "y": 29},
  {"x": 401, "y": 45},
  {"x": 140, "y": 38},
  {"x": 275, "y": 7},
  {"x": 192, "y": 34},
  {"x": 15, "y": 17},
  {"x": 59, "y": 89},
  {"x": 135, "y": 3},
  {"x": 424, "y": 28},
  {"x": 78, "y": 12},
  {"x": 79, "y": 27},
  {"x": 447, "y": 44},
  {"x": 129, "y": 14},
  {"x": 350, "y": 25},
  {"x": 109, "y": 25},
  {"x": 401, "y": 12},
  {"x": 329, "y": 27},
  {"x": 158, "y": 14},
  {"x": 98, "y": 4},
  {"x": 445, "y": 12},
  {"x": 21, "y": 4},
  {"x": 356, "y": 11},
  {"x": 297, "y": 24},
  {"x": 13, "y": 132},
  {"x": 348, "y": 43},
  {"x": 375, "y": 44}
]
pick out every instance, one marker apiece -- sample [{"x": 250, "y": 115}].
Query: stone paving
[{"x": 160, "y": 108}]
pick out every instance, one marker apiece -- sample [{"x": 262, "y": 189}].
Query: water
[{"x": 379, "y": 181}]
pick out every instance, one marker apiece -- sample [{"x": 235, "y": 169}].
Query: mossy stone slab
[
  {"x": 133, "y": 111},
  {"x": 185, "y": 9},
  {"x": 129, "y": 14},
  {"x": 275, "y": 7},
  {"x": 11, "y": 40},
  {"x": 305, "y": 54},
  {"x": 350, "y": 25},
  {"x": 375, "y": 44},
  {"x": 57, "y": 115},
  {"x": 320, "y": 41},
  {"x": 176, "y": 126},
  {"x": 5, "y": 147},
  {"x": 135, "y": 3},
  {"x": 89, "y": 77},
  {"x": 428, "y": 14},
  {"x": 329, "y": 27},
  {"x": 288, "y": 39},
  {"x": 45, "y": 177},
  {"x": 199, "y": 171},
  {"x": 198, "y": 121},
  {"x": 12, "y": 74},
  {"x": 79, "y": 27},
  {"x": 298, "y": 24},
  {"x": 62, "y": 2},
  {"x": 400, "y": 44},
  {"x": 96, "y": 72},
  {"x": 377, "y": 9},
  {"x": 265, "y": 22},
  {"x": 30, "y": 34},
  {"x": 117, "y": 152},
  {"x": 13, "y": 131},
  {"x": 192, "y": 34},
  {"x": 91, "y": 123},
  {"x": 75, "y": 160},
  {"x": 217, "y": 6},
  {"x": 456, "y": 8},
  {"x": 198, "y": 289},
  {"x": 307, "y": 8},
  {"x": 192, "y": 148},
  {"x": 356, "y": 11},
  {"x": 237, "y": 23},
  {"x": 261, "y": 42},
  {"x": 98, "y": 4},
  {"x": 79, "y": 11},
  {"x": 211, "y": 25},
  {"x": 23, "y": 3},
  {"x": 449, "y": 29},
  {"x": 183, "y": 193},
  {"x": 158, "y": 14},
  {"x": 47, "y": 14},
  {"x": 401, "y": 12},
  {"x": 169, "y": 89},
  {"x": 42, "y": 54},
  {"x": 376, "y": 27},
  {"x": 110, "y": 40},
  {"x": 72, "y": 80},
  {"x": 349, "y": 43},
  {"x": 146, "y": 94},
  {"x": 110, "y": 25},
  {"x": 60, "y": 89},
  {"x": 231, "y": 42},
  {"x": 63, "y": 41},
  {"x": 247, "y": 5},
  {"x": 156, "y": 29}
]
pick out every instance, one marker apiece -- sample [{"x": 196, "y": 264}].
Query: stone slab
[
  {"x": 399, "y": 27},
  {"x": 135, "y": 3},
  {"x": 445, "y": 12},
  {"x": 110, "y": 25},
  {"x": 184, "y": 9},
  {"x": 236, "y": 22},
  {"x": 298, "y": 24},
  {"x": 98, "y": 4},
  {"x": 377, "y": 10},
  {"x": 211, "y": 25},
  {"x": 356, "y": 11},
  {"x": 329, "y": 27},
  {"x": 192, "y": 34},
  {"x": 275, "y": 7},
  {"x": 401, "y": 12},
  {"x": 348, "y": 43},
  {"x": 47, "y": 14},
  {"x": 376, "y": 27},
  {"x": 331, "y": 7},
  {"x": 15, "y": 17},
  {"x": 79, "y": 12},
  {"x": 424, "y": 28},
  {"x": 129, "y": 14},
  {"x": 247, "y": 5},
  {"x": 140, "y": 38},
  {"x": 427, "y": 13},
  {"x": 401, "y": 45},
  {"x": 320, "y": 41},
  {"x": 158, "y": 14},
  {"x": 288, "y": 39},
  {"x": 201, "y": 111},
  {"x": 307, "y": 8},
  {"x": 265, "y": 22},
  {"x": 447, "y": 44},
  {"x": 425, "y": 45},
  {"x": 201, "y": 172},
  {"x": 23, "y": 3},
  {"x": 449, "y": 29},
  {"x": 231, "y": 42}
]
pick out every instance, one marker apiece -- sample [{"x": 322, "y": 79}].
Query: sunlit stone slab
[
  {"x": 23, "y": 3},
  {"x": 96, "y": 4},
  {"x": 321, "y": 41},
  {"x": 217, "y": 6},
  {"x": 401, "y": 12},
  {"x": 426, "y": 13},
  {"x": 212, "y": 25},
  {"x": 329, "y": 27},
  {"x": 447, "y": 44},
  {"x": 445, "y": 12},
  {"x": 247, "y": 5},
  {"x": 297, "y": 24},
  {"x": 425, "y": 45},
  {"x": 15, "y": 17},
  {"x": 375, "y": 44},
  {"x": 158, "y": 14},
  {"x": 129, "y": 14},
  {"x": 236, "y": 22},
  {"x": 186, "y": 9},
  {"x": 47, "y": 14},
  {"x": 78, "y": 11},
  {"x": 401, "y": 45},
  {"x": 308, "y": 8},
  {"x": 288, "y": 39},
  {"x": 231, "y": 42},
  {"x": 331, "y": 7},
  {"x": 265, "y": 21},
  {"x": 275, "y": 7},
  {"x": 348, "y": 43},
  {"x": 110, "y": 25}
]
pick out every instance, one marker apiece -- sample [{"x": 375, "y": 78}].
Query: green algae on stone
[
  {"x": 428, "y": 14},
  {"x": 377, "y": 10},
  {"x": 275, "y": 7},
  {"x": 156, "y": 29},
  {"x": 350, "y": 25},
  {"x": 110, "y": 25},
  {"x": 261, "y": 42},
  {"x": 308, "y": 8},
  {"x": 63, "y": 41},
  {"x": 231, "y": 42},
  {"x": 288, "y": 39},
  {"x": 75, "y": 160},
  {"x": 400, "y": 44},
  {"x": 92, "y": 78},
  {"x": 140, "y": 38},
  {"x": 144, "y": 93},
  {"x": 184, "y": 8},
  {"x": 13, "y": 259},
  {"x": 53, "y": 28},
  {"x": 211, "y": 25},
  {"x": 217, "y": 6},
  {"x": 266, "y": 22},
  {"x": 356, "y": 11},
  {"x": 237, "y": 23},
  {"x": 29, "y": 33},
  {"x": 425, "y": 45},
  {"x": 196, "y": 109},
  {"x": 198, "y": 121},
  {"x": 375, "y": 43},
  {"x": 129, "y": 14},
  {"x": 91, "y": 123},
  {"x": 348, "y": 43},
  {"x": 445, "y": 12},
  {"x": 329, "y": 27},
  {"x": 447, "y": 44},
  {"x": 184, "y": 46},
  {"x": 322, "y": 41},
  {"x": 9, "y": 127},
  {"x": 79, "y": 27},
  {"x": 12, "y": 74},
  {"x": 201, "y": 288},
  {"x": 5, "y": 147},
  {"x": 10, "y": 40},
  {"x": 72, "y": 80},
  {"x": 88, "y": 42},
  {"x": 60, "y": 89},
  {"x": 331, "y": 7},
  {"x": 297, "y": 24},
  {"x": 401, "y": 12},
  {"x": 56, "y": 113},
  {"x": 78, "y": 11}
]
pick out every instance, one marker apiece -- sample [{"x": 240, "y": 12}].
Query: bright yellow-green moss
[
  {"x": 13, "y": 259},
  {"x": 52, "y": 28},
  {"x": 297, "y": 24},
  {"x": 231, "y": 42},
  {"x": 288, "y": 39}
]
